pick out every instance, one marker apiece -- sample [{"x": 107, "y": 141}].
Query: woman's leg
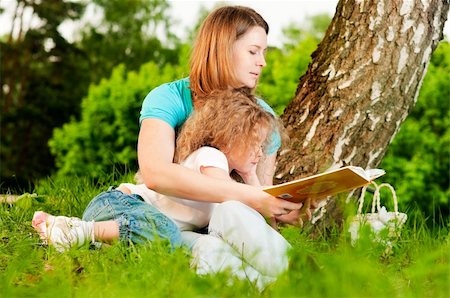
[
  {"x": 212, "y": 255},
  {"x": 248, "y": 233}
]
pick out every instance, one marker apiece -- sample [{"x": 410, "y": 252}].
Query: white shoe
[{"x": 63, "y": 232}]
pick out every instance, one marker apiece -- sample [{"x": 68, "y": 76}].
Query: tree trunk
[{"x": 363, "y": 81}]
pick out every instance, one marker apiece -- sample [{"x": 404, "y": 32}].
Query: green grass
[{"x": 326, "y": 265}]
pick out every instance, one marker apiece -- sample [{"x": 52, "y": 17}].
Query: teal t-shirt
[{"x": 172, "y": 103}]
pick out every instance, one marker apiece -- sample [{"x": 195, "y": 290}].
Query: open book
[{"x": 325, "y": 184}]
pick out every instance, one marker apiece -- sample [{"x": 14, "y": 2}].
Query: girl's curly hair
[{"x": 227, "y": 119}]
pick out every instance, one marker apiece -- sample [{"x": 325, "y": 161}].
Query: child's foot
[{"x": 62, "y": 232}]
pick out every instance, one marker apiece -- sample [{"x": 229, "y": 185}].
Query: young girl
[
  {"x": 232, "y": 126},
  {"x": 228, "y": 133}
]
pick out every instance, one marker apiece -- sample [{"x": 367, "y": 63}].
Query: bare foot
[{"x": 39, "y": 223}]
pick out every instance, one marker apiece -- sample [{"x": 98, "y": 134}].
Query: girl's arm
[
  {"x": 266, "y": 169},
  {"x": 156, "y": 147},
  {"x": 251, "y": 177}
]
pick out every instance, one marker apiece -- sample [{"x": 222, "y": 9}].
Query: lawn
[{"x": 323, "y": 265}]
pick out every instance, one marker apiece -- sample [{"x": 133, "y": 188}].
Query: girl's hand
[{"x": 250, "y": 177}]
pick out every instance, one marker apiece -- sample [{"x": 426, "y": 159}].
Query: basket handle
[
  {"x": 376, "y": 197},
  {"x": 361, "y": 197}
]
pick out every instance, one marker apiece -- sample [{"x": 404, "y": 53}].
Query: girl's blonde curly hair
[{"x": 229, "y": 118}]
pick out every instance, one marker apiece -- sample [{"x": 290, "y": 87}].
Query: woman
[{"x": 227, "y": 54}]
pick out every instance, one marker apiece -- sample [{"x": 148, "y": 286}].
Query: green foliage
[
  {"x": 106, "y": 135},
  {"x": 313, "y": 27},
  {"x": 418, "y": 160},
  {"x": 324, "y": 266},
  {"x": 127, "y": 34},
  {"x": 43, "y": 78}
]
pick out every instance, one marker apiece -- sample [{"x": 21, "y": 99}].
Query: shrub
[{"x": 105, "y": 137}]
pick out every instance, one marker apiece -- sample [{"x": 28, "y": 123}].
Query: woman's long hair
[{"x": 211, "y": 63}]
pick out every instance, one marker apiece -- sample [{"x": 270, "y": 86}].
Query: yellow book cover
[{"x": 325, "y": 184}]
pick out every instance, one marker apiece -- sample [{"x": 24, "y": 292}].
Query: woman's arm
[
  {"x": 156, "y": 147},
  {"x": 216, "y": 173}
]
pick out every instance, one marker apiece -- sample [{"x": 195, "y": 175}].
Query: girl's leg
[
  {"x": 248, "y": 233},
  {"x": 106, "y": 231},
  {"x": 63, "y": 232},
  {"x": 129, "y": 218},
  {"x": 110, "y": 216}
]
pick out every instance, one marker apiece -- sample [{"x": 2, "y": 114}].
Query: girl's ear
[{"x": 225, "y": 149}]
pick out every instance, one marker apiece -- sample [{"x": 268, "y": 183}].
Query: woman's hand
[
  {"x": 293, "y": 218},
  {"x": 271, "y": 207},
  {"x": 298, "y": 217}
]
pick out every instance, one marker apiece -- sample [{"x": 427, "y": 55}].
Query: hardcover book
[{"x": 326, "y": 184}]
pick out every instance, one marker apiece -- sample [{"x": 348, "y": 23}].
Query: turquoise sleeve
[
  {"x": 163, "y": 103},
  {"x": 275, "y": 142}
]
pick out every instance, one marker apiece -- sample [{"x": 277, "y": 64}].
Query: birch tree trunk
[{"x": 363, "y": 81}]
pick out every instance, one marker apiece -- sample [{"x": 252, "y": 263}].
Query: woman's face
[{"x": 248, "y": 56}]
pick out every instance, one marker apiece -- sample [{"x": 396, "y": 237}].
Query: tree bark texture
[{"x": 363, "y": 81}]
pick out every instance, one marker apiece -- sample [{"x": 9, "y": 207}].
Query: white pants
[{"x": 239, "y": 240}]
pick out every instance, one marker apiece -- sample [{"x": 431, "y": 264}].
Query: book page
[
  {"x": 370, "y": 174},
  {"x": 360, "y": 171},
  {"x": 375, "y": 173}
]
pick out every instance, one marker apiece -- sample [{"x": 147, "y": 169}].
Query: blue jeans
[{"x": 138, "y": 221}]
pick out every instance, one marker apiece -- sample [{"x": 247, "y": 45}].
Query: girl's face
[
  {"x": 244, "y": 161},
  {"x": 248, "y": 56}
]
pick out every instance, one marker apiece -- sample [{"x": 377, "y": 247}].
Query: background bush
[
  {"x": 105, "y": 137},
  {"x": 44, "y": 76}
]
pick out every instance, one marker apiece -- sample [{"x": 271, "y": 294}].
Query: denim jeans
[{"x": 138, "y": 221}]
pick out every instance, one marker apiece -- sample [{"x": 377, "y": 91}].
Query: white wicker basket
[{"x": 379, "y": 218}]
